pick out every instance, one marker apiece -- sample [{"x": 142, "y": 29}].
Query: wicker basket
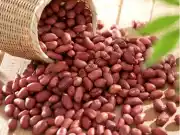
[{"x": 18, "y": 27}]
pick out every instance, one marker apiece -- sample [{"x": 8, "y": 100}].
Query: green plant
[{"x": 169, "y": 40}]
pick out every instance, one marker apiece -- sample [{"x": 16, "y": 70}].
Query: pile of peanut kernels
[{"x": 92, "y": 75}]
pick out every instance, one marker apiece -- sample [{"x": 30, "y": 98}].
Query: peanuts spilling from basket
[{"x": 91, "y": 76}]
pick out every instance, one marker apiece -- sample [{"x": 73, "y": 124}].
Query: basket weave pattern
[{"x": 18, "y": 28}]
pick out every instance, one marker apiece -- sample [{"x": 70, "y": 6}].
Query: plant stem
[
  {"x": 119, "y": 11},
  {"x": 152, "y": 9}
]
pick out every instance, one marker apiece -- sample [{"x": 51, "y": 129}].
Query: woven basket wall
[{"x": 18, "y": 27}]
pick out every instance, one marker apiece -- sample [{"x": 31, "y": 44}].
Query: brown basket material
[
  {"x": 1, "y": 56},
  {"x": 18, "y": 27}
]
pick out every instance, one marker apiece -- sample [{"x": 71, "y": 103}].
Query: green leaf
[
  {"x": 163, "y": 46},
  {"x": 159, "y": 24},
  {"x": 172, "y": 2}
]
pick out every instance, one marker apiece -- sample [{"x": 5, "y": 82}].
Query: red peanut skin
[
  {"x": 144, "y": 129},
  {"x": 124, "y": 84},
  {"x": 65, "y": 83},
  {"x": 135, "y": 131},
  {"x": 136, "y": 110},
  {"x": 63, "y": 48},
  {"x": 34, "y": 111},
  {"x": 57, "y": 67},
  {"x": 22, "y": 82},
  {"x": 9, "y": 99},
  {"x": 34, "y": 119},
  {"x": 124, "y": 130},
  {"x": 114, "y": 89},
  {"x": 42, "y": 96},
  {"x": 169, "y": 94},
  {"x": 158, "y": 82},
  {"x": 156, "y": 94},
  {"x": 23, "y": 93},
  {"x": 95, "y": 105},
  {"x": 133, "y": 101},
  {"x": 12, "y": 124},
  {"x": 79, "y": 28},
  {"x": 107, "y": 132},
  {"x": 177, "y": 119},
  {"x": 22, "y": 113},
  {"x": 70, "y": 4},
  {"x": 78, "y": 114},
  {"x": 88, "y": 85},
  {"x": 126, "y": 109},
  {"x": 19, "y": 103},
  {"x": 40, "y": 127},
  {"x": 80, "y": 19},
  {"x": 107, "y": 107},
  {"x": 15, "y": 85},
  {"x": 66, "y": 101},
  {"x": 48, "y": 37},
  {"x": 70, "y": 113},
  {"x": 108, "y": 78},
  {"x": 171, "y": 107},
  {"x": 86, "y": 122},
  {"x": 24, "y": 121},
  {"x": 51, "y": 131},
  {"x": 16, "y": 112},
  {"x": 59, "y": 111},
  {"x": 90, "y": 113},
  {"x": 91, "y": 131},
  {"x": 82, "y": 56},
  {"x": 78, "y": 47},
  {"x": 159, "y": 106},
  {"x": 54, "y": 55},
  {"x": 34, "y": 87},
  {"x": 77, "y": 81},
  {"x": 66, "y": 123},
  {"x": 79, "y": 94},
  {"x": 61, "y": 131},
  {"x": 45, "y": 79},
  {"x": 30, "y": 103},
  {"x": 74, "y": 131},
  {"x": 88, "y": 43},
  {"x": 71, "y": 14},
  {"x": 144, "y": 95},
  {"x": 100, "y": 129},
  {"x": 46, "y": 112},
  {"x": 87, "y": 104},
  {"x": 120, "y": 122},
  {"x": 111, "y": 125},
  {"x": 54, "y": 81},
  {"x": 71, "y": 91},
  {"x": 149, "y": 73},
  {"x": 31, "y": 79},
  {"x": 101, "y": 117},
  {"x": 75, "y": 123},
  {"x": 139, "y": 118},
  {"x": 159, "y": 131},
  {"x": 128, "y": 119},
  {"x": 162, "y": 119},
  {"x": 79, "y": 63},
  {"x": 59, "y": 120},
  {"x": 95, "y": 74}
]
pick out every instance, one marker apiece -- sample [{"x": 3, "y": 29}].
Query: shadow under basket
[{"x": 18, "y": 28}]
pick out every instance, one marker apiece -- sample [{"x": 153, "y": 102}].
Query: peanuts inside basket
[{"x": 18, "y": 32}]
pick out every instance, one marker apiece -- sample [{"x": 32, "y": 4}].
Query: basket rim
[{"x": 34, "y": 29}]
